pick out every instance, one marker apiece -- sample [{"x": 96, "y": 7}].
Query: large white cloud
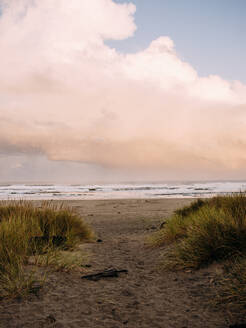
[{"x": 66, "y": 94}]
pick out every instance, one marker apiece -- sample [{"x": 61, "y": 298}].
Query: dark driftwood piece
[
  {"x": 163, "y": 224},
  {"x": 111, "y": 273}
]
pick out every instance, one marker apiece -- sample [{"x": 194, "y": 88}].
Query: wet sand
[{"x": 143, "y": 298}]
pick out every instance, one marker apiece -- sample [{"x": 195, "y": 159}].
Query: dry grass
[
  {"x": 207, "y": 231},
  {"x": 232, "y": 285},
  {"x": 40, "y": 232}
]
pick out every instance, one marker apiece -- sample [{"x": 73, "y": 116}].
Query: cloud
[{"x": 67, "y": 95}]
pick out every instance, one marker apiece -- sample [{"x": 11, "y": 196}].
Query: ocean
[{"x": 120, "y": 191}]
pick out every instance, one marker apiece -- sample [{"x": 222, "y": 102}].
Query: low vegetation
[
  {"x": 232, "y": 285},
  {"x": 207, "y": 231},
  {"x": 32, "y": 236}
]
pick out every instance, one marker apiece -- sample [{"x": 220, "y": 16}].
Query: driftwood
[
  {"x": 163, "y": 224},
  {"x": 111, "y": 273}
]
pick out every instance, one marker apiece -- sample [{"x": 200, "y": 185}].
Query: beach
[
  {"x": 122, "y": 164},
  {"x": 143, "y": 297}
]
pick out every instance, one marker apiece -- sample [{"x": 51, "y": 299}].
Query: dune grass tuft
[
  {"x": 207, "y": 231},
  {"x": 30, "y": 231},
  {"x": 232, "y": 284}
]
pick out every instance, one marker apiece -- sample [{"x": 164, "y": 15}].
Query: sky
[
  {"x": 107, "y": 91},
  {"x": 210, "y": 34}
]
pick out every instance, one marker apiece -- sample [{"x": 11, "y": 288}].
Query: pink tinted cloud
[{"x": 66, "y": 94}]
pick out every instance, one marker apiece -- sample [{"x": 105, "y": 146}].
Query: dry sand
[{"x": 143, "y": 298}]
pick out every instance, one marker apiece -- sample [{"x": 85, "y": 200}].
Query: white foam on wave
[{"x": 119, "y": 191}]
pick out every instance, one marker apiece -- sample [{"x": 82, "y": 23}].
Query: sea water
[{"x": 120, "y": 191}]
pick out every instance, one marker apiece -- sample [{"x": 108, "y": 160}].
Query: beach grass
[
  {"x": 232, "y": 285},
  {"x": 40, "y": 232},
  {"x": 207, "y": 231}
]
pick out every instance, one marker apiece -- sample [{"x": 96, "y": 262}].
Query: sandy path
[{"x": 142, "y": 298}]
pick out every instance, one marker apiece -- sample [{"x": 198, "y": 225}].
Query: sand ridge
[{"x": 143, "y": 298}]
